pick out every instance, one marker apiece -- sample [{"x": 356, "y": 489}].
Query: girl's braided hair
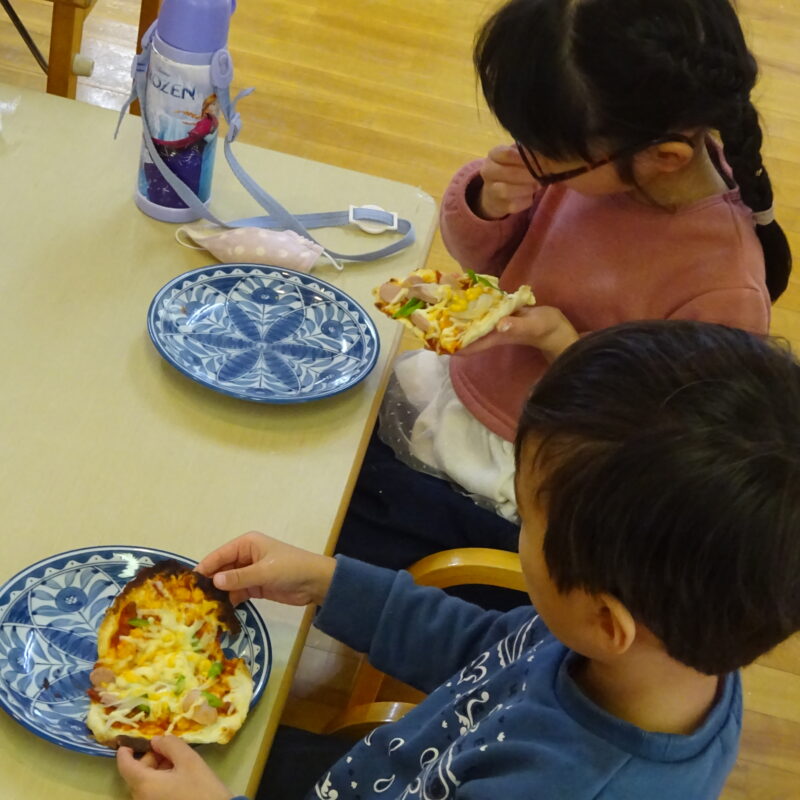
[{"x": 561, "y": 74}]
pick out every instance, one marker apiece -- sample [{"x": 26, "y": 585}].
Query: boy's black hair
[
  {"x": 671, "y": 460},
  {"x": 560, "y": 75}
]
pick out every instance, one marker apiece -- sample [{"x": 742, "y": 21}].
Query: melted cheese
[{"x": 171, "y": 652}]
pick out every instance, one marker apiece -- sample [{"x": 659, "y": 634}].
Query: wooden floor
[{"x": 387, "y": 88}]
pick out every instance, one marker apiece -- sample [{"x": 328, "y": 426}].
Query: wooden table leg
[
  {"x": 65, "y": 41},
  {"x": 147, "y": 15}
]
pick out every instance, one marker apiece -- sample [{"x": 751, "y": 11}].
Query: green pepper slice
[
  {"x": 212, "y": 699},
  {"x": 475, "y": 278},
  {"x": 408, "y": 308}
]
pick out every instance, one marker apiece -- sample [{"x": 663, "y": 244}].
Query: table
[{"x": 105, "y": 443}]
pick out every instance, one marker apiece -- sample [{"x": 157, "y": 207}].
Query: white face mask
[{"x": 253, "y": 245}]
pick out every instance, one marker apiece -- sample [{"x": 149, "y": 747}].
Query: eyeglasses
[{"x": 548, "y": 179}]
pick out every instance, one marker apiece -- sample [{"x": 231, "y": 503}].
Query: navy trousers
[
  {"x": 398, "y": 515},
  {"x": 297, "y": 760}
]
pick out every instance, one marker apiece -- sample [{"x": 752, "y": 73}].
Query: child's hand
[
  {"x": 256, "y": 565},
  {"x": 171, "y": 771},
  {"x": 543, "y": 327},
  {"x": 508, "y": 187}
]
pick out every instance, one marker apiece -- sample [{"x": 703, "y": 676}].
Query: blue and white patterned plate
[
  {"x": 261, "y": 333},
  {"x": 49, "y": 616}
]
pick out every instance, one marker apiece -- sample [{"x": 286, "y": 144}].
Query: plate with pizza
[{"x": 110, "y": 645}]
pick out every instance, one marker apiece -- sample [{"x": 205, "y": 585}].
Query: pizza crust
[{"x": 511, "y": 303}]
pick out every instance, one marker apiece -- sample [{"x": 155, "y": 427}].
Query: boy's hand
[
  {"x": 256, "y": 565},
  {"x": 543, "y": 327},
  {"x": 508, "y": 187},
  {"x": 171, "y": 771}
]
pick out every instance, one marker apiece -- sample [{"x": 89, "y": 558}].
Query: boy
[{"x": 657, "y": 475}]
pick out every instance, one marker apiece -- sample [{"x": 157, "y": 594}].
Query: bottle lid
[{"x": 195, "y": 26}]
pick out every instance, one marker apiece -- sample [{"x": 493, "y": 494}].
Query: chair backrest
[{"x": 464, "y": 566}]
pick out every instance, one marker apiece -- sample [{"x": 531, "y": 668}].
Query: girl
[{"x": 614, "y": 204}]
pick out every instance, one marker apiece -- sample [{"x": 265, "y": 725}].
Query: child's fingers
[
  {"x": 516, "y": 207},
  {"x": 173, "y": 749},
  {"x": 544, "y": 327},
  {"x": 513, "y": 174},
  {"x": 505, "y": 154},
  {"x": 499, "y": 199},
  {"x": 150, "y": 760},
  {"x": 528, "y": 325},
  {"x": 236, "y": 551},
  {"x": 519, "y": 201},
  {"x": 518, "y": 330},
  {"x": 490, "y": 340},
  {"x": 510, "y": 191},
  {"x": 220, "y": 558},
  {"x": 129, "y": 768},
  {"x": 238, "y": 579},
  {"x": 238, "y": 596}
]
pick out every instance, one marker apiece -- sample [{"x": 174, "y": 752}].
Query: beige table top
[{"x": 105, "y": 443}]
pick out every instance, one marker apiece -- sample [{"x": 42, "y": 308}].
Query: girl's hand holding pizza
[
  {"x": 543, "y": 327},
  {"x": 256, "y": 565}
]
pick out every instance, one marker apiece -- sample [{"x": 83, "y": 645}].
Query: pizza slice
[
  {"x": 448, "y": 311},
  {"x": 160, "y": 667}
]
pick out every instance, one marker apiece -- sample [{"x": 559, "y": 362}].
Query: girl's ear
[
  {"x": 665, "y": 157},
  {"x": 617, "y": 627}
]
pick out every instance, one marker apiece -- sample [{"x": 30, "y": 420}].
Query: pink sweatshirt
[{"x": 602, "y": 260}]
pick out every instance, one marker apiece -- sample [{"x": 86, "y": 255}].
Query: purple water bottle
[{"x": 181, "y": 106}]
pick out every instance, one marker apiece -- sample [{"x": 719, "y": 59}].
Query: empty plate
[{"x": 265, "y": 334}]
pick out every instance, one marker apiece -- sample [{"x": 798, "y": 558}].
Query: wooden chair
[
  {"x": 66, "y": 31},
  {"x": 470, "y": 565}
]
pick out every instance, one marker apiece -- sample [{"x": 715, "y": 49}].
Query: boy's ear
[{"x": 617, "y": 625}]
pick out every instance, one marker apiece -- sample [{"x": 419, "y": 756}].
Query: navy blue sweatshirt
[{"x": 504, "y": 718}]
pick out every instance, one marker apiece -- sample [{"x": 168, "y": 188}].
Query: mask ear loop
[
  {"x": 337, "y": 264},
  {"x": 189, "y": 243}
]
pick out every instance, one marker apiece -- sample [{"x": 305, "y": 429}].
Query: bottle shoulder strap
[{"x": 370, "y": 218}]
